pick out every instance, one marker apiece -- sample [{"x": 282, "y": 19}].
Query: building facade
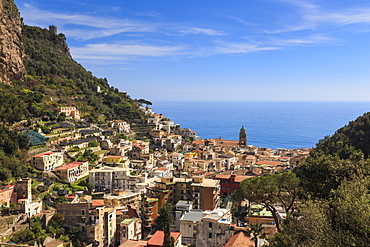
[
  {"x": 72, "y": 171},
  {"x": 47, "y": 161}
]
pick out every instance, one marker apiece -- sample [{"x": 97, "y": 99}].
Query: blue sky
[{"x": 283, "y": 50}]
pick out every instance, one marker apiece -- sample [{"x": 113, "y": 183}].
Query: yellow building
[
  {"x": 47, "y": 161},
  {"x": 191, "y": 155},
  {"x": 70, "y": 112},
  {"x": 121, "y": 198},
  {"x": 114, "y": 159}
]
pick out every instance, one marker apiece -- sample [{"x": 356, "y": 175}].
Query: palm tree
[{"x": 256, "y": 232}]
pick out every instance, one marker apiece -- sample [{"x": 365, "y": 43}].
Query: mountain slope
[
  {"x": 11, "y": 46},
  {"x": 54, "y": 79}
]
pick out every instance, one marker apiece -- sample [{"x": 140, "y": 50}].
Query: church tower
[{"x": 242, "y": 137}]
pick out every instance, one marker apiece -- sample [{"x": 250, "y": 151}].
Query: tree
[
  {"x": 143, "y": 101},
  {"x": 280, "y": 188},
  {"x": 55, "y": 224},
  {"x": 256, "y": 232},
  {"x": 163, "y": 223},
  {"x": 164, "y": 218},
  {"x": 322, "y": 173},
  {"x": 341, "y": 220}
]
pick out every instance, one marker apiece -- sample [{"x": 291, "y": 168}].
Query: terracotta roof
[
  {"x": 284, "y": 158},
  {"x": 220, "y": 176},
  {"x": 157, "y": 239},
  {"x": 271, "y": 163},
  {"x": 54, "y": 243},
  {"x": 114, "y": 157},
  {"x": 42, "y": 154},
  {"x": 198, "y": 142},
  {"x": 70, "y": 165},
  {"x": 239, "y": 240},
  {"x": 240, "y": 178},
  {"x": 97, "y": 202},
  {"x": 198, "y": 171},
  {"x": 161, "y": 169},
  {"x": 133, "y": 243}
]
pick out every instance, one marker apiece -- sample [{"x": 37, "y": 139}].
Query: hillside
[
  {"x": 333, "y": 209},
  {"x": 37, "y": 76},
  {"x": 354, "y": 136},
  {"x": 54, "y": 79}
]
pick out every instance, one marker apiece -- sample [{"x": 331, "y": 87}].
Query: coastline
[{"x": 271, "y": 124}]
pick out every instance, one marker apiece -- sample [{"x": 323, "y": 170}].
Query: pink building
[{"x": 7, "y": 195}]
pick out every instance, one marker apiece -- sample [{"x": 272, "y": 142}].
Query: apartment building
[
  {"x": 204, "y": 193},
  {"x": 214, "y": 229},
  {"x": 97, "y": 224},
  {"x": 111, "y": 178},
  {"x": 47, "y": 161},
  {"x": 130, "y": 229},
  {"x": 121, "y": 198},
  {"x": 72, "y": 171}
]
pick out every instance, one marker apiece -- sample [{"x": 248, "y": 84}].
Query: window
[
  {"x": 83, "y": 212},
  {"x": 210, "y": 235},
  {"x": 210, "y": 224}
]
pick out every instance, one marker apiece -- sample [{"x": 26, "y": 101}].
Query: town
[{"x": 111, "y": 182}]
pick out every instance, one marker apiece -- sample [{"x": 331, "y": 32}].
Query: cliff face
[{"x": 11, "y": 45}]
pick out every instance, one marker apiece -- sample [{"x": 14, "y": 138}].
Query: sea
[{"x": 268, "y": 124}]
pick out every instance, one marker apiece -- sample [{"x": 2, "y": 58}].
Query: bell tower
[{"x": 242, "y": 137}]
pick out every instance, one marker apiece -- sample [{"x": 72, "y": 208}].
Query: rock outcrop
[{"x": 11, "y": 45}]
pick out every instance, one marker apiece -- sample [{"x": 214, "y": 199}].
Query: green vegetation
[
  {"x": 54, "y": 73},
  {"x": 13, "y": 152},
  {"x": 33, "y": 233},
  {"x": 332, "y": 188},
  {"x": 256, "y": 232},
  {"x": 54, "y": 79},
  {"x": 269, "y": 190},
  {"x": 163, "y": 223}
]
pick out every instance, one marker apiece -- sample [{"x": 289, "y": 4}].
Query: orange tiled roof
[
  {"x": 157, "y": 239},
  {"x": 221, "y": 176},
  {"x": 240, "y": 178},
  {"x": 272, "y": 163},
  {"x": 70, "y": 165},
  {"x": 161, "y": 169},
  {"x": 97, "y": 202},
  {"x": 239, "y": 240},
  {"x": 114, "y": 157},
  {"x": 284, "y": 158},
  {"x": 42, "y": 154}
]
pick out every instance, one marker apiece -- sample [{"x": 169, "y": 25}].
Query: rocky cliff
[{"x": 11, "y": 45}]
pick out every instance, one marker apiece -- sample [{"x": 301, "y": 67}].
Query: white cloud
[
  {"x": 242, "y": 48},
  {"x": 203, "y": 31},
  {"x": 241, "y": 21},
  {"x": 313, "y": 17},
  {"x": 105, "y": 26},
  {"x": 352, "y": 16},
  {"x": 316, "y": 39},
  {"x": 123, "y": 51}
]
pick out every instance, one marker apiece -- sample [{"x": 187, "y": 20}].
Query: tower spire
[{"x": 242, "y": 137}]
